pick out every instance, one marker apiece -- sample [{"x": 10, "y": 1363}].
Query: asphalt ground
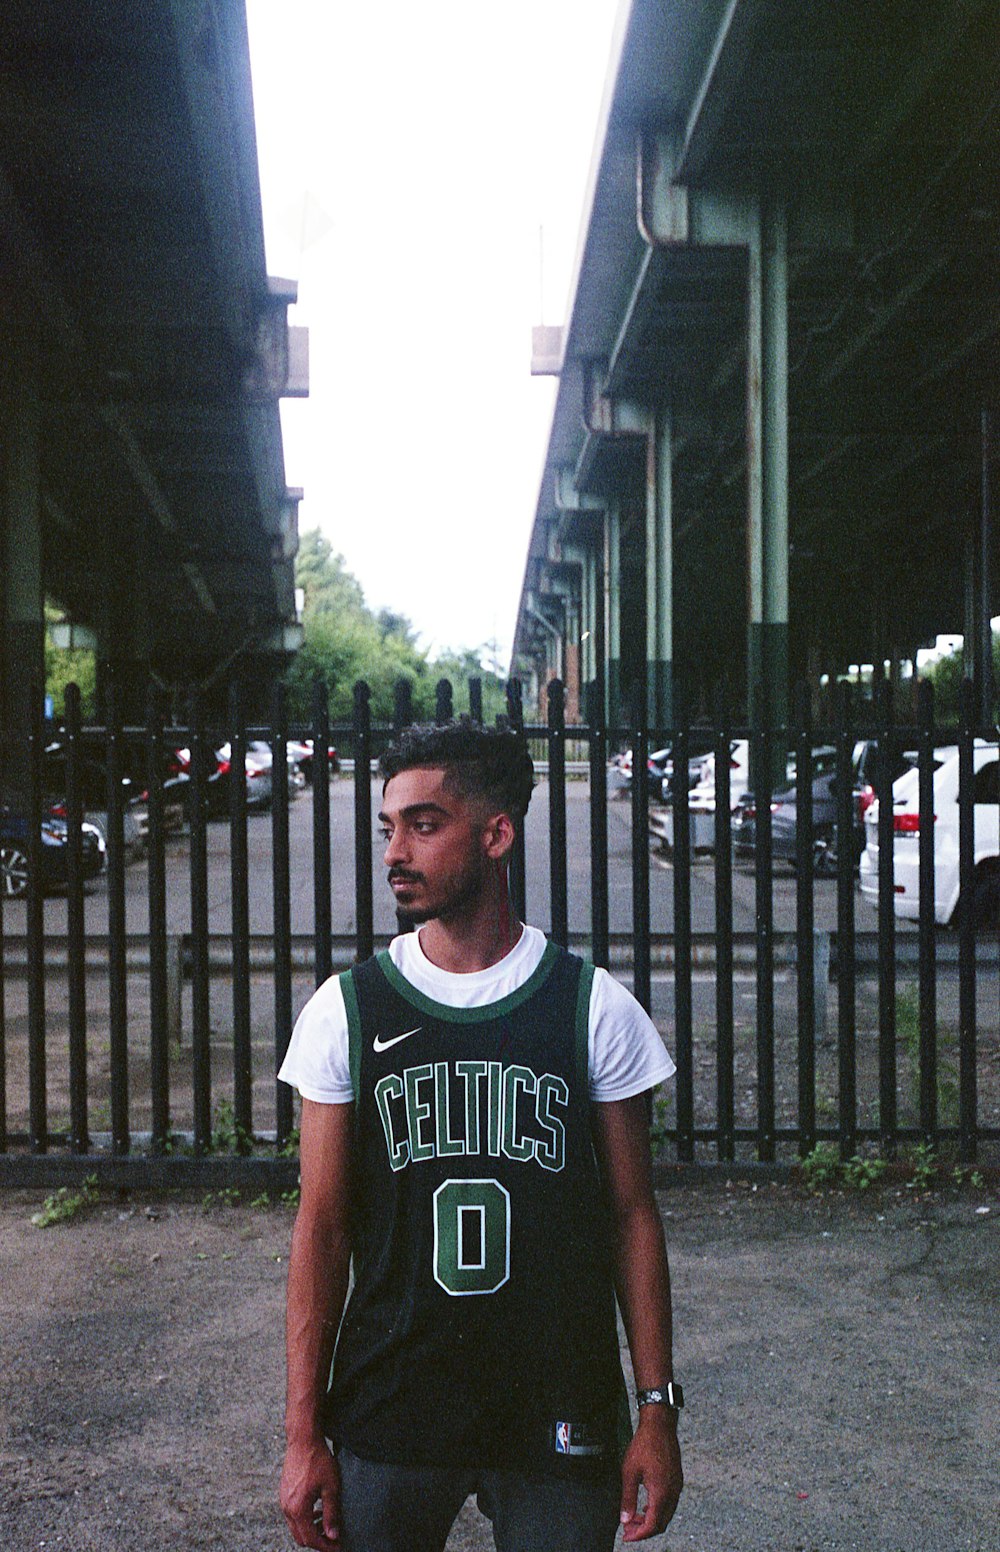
[{"x": 839, "y": 1356}]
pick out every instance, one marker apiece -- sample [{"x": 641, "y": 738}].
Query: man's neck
[{"x": 475, "y": 941}]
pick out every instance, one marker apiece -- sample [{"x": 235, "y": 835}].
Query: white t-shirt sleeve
[
  {"x": 317, "y": 1061},
  {"x": 627, "y": 1054}
]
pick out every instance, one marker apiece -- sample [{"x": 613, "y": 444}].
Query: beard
[{"x": 454, "y": 896}]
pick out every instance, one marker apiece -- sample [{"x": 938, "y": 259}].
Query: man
[{"x": 474, "y": 1135}]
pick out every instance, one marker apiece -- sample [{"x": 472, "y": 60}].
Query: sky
[{"x": 409, "y": 156}]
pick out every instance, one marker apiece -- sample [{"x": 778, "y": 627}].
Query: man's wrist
[{"x": 666, "y": 1394}]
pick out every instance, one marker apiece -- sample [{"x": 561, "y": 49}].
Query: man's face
[{"x": 438, "y": 847}]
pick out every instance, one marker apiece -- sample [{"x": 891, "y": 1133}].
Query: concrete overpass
[
  {"x": 144, "y": 352},
  {"x": 773, "y": 442}
]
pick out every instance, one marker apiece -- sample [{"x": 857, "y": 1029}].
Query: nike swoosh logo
[{"x": 383, "y": 1045}]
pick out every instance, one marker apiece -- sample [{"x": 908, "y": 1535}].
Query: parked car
[
  {"x": 784, "y": 824},
  {"x": 301, "y": 750},
  {"x": 14, "y": 839},
  {"x": 906, "y": 840},
  {"x": 93, "y": 778}
]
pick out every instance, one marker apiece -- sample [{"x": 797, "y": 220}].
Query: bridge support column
[
  {"x": 23, "y": 620},
  {"x": 659, "y": 571},
  {"x": 614, "y": 576},
  {"x": 767, "y": 469}
]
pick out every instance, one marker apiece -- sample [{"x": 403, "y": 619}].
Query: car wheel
[
  {"x": 986, "y": 899},
  {"x": 13, "y": 872}
]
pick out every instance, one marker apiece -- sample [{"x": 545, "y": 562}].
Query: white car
[{"x": 906, "y": 839}]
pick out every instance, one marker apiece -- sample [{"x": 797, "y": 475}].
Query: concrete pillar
[
  {"x": 767, "y": 466},
  {"x": 659, "y": 571},
  {"x": 614, "y": 590},
  {"x": 23, "y": 663}
]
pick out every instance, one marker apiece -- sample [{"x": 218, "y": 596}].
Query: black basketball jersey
[{"x": 481, "y": 1329}]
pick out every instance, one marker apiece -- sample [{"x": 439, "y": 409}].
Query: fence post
[
  {"x": 476, "y": 699},
  {"x": 240, "y": 915},
  {"x": 967, "y": 1141},
  {"x": 886, "y": 921},
  {"x": 442, "y": 702},
  {"x": 156, "y": 895},
  {"x": 363, "y": 820},
  {"x": 322, "y": 903},
  {"x": 598, "y": 758},
  {"x": 557, "y": 814},
  {"x": 809, "y": 990},
  {"x": 76, "y": 930},
  {"x": 402, "y": 705},
  {"x": 282, "y": 904},
  {"x": 518, "y": 870},
  {"x": 762, "y": 747},
  {"x": 641, "y": 977},
  {"x": 37, "y": 1105},
  {"x": 926, "y": 925},
  {"x": 683, "y": 1005},
  {"x": 846, "y": 1011},
  {"x": 724, "y": 1011},
  {"x": 117, "y": 982},
  {"x": 201, "y": 1033}
]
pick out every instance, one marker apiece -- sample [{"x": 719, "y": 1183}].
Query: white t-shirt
[{"x": 626, "y": 1053}]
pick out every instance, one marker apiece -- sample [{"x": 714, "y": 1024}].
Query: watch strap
[{"x": 664, "y": 1395}]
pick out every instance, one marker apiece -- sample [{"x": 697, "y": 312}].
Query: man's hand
[
  {"x": 311, "y": 1477},
  {"x": 654, "y": 1459}
]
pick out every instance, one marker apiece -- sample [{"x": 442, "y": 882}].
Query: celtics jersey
[{"x": 481, "y": 1326}]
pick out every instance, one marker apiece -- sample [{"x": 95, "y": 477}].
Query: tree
[
  {"x": 346, "y": 641},
  {"x": 946, "y": 674}
]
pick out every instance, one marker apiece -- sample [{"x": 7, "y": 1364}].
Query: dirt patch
[{"x": 838, "y": 1352}]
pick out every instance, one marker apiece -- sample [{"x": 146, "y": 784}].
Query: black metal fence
[{"x": 141, "y": 1024}]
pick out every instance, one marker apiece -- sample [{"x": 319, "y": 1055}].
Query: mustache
[{"x": 400, "y": 876}]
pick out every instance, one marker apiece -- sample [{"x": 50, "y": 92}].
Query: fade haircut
[{"x": 479, "y": 762}]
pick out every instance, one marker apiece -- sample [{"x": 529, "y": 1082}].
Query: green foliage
[
  {"x": 821, "y": 1167},
  {"x": 228, "y": 1136},
  {"x": 290, "y": 1147},
  {"x": 908, "y": 1036},
  {"x": 924, "y": 1164},
  {"x": 64, "y": 667},
  {"x": 291, "y": 1198},
  {"x": 226, "y": 1196},
  {"x": 64, "y": 1204},
  {"x": 946, "y": 676},
  {"x": 346, "y": 641},
  {"x": 859, "y": 1172}
]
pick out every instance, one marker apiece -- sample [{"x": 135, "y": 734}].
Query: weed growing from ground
[
  {"x": 821, "y": 1167},
  {"x": 228, "y": 1135},
  {"x": 908, "y": 1036},
  {"x": 226, "y": 1196},
  {"x": 65, "y": 1204},
  {"x": 924, "y": 1163},
  {"x": 858, "y": 1173}
]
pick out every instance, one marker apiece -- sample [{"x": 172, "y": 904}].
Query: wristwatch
[{"x": 666, "y": 1395}]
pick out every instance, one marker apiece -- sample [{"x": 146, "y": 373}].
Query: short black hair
[{"x": 492, "y": 763}]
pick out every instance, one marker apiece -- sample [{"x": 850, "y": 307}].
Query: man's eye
[
  {"x": 385, "y": 833},
  {"x": 425, "y": 827}
]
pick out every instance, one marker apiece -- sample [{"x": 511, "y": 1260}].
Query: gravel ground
[{"x": 839, "y": 1353}]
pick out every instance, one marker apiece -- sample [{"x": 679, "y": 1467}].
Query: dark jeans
[{"x": 411, "y": 1509}]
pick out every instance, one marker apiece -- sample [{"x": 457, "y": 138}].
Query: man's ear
[{"x": 498, "y": 837}]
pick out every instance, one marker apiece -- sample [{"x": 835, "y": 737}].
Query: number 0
[{"x": 471, "y": 1236}]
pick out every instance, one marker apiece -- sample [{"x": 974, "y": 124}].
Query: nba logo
[{"x": 562, "y": 1439}]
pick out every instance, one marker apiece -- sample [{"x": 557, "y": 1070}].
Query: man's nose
[{"x": 395, "y": 849}]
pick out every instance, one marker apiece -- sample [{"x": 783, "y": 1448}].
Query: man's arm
[
  {"x": 621, "y": 1136},
  {"x": 318, "y": 1271}
]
